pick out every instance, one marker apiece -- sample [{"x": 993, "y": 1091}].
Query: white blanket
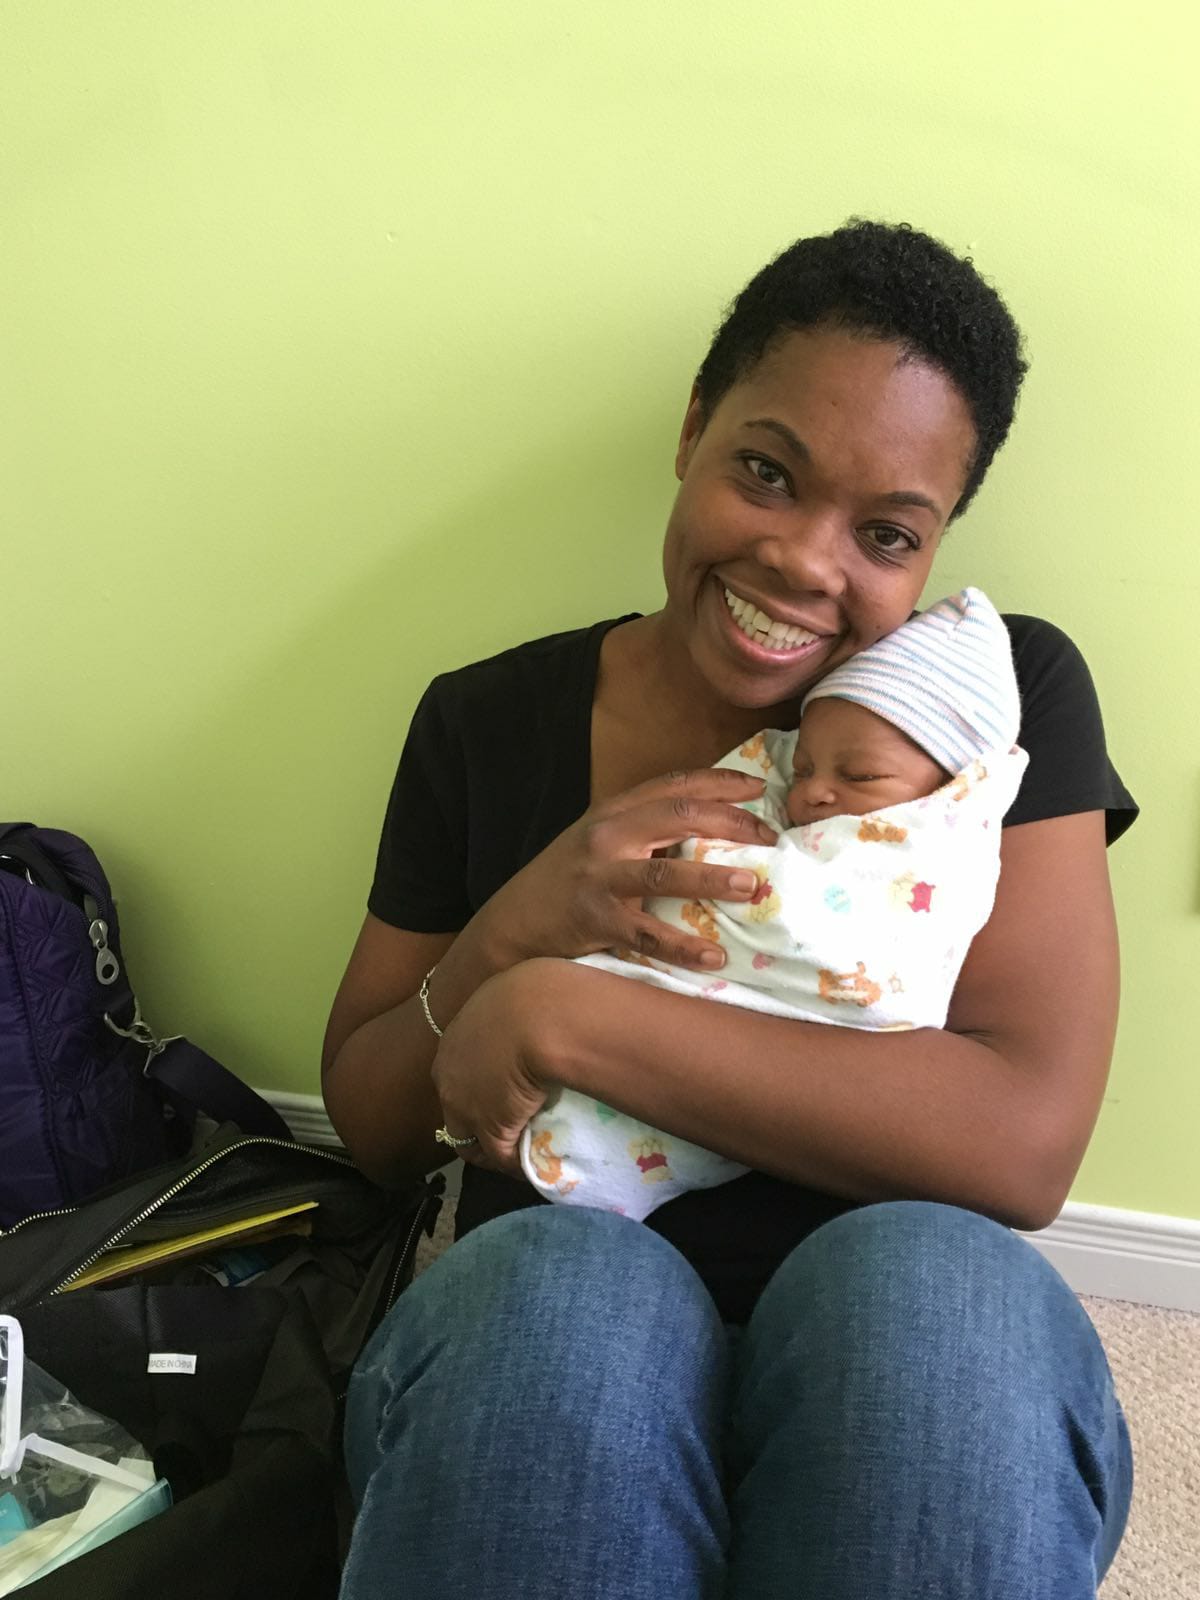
[{"x": 862, "y": 921}]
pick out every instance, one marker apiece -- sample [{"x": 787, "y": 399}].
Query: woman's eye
[
  {"x": 890, "y": 539},
  {"x": 766, "y": 472}
]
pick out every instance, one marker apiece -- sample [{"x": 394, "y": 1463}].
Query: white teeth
[{"x": 765, "y": 630}]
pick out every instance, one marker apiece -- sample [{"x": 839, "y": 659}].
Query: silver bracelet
[{"x": 424, "y": 993}]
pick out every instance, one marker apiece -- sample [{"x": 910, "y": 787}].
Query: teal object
[
  {"x": 12, "y": 1518},
  {"x": 150, "y": 1503}
]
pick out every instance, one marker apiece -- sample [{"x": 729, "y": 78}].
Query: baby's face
[{"x": 849, "y": 761}]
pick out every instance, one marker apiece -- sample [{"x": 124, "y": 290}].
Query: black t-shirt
[{"x": 498, "y": 762}]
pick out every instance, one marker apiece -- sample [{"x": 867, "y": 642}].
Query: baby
[{"x": 889, "y": 800}]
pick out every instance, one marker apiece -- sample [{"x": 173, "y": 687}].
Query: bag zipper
[
  {"x": 394, "y": 1287},
  {"x": 177, "y": 1188},
  {"x": 393, "y": 1294},
  {"x": 67, "y": 1211},
  {"x": 108, "y": 968},
  {"x": 38, "y": 1216}
]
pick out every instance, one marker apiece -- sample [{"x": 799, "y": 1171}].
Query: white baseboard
[
  {"x": 1116, "y": 1255},
  {"x": 1125, "y": 1255},
  {"x": 305, "y": 1115}
]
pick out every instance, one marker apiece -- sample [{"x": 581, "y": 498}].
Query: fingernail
[
  {"x": 767, "y": 835},
  {"x": 743, "y": 882},
  {"x": 712, "y": 958}
]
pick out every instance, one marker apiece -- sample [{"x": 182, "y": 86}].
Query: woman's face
[{"x": 809, "y": 511}]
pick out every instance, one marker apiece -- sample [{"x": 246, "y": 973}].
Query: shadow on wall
[{"x": 238, "y": 921}]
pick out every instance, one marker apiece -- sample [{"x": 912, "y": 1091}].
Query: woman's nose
[{"x": 807, "y": 554}]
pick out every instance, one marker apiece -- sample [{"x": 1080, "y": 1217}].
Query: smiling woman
[
  {"x": 835, "y": 533},
  {"x": 916, "y": 1402}
]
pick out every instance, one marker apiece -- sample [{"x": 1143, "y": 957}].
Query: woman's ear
[{"x": 689, "y": 435}]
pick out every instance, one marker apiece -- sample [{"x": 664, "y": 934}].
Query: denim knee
[
  {"x": 544, "y": 1406},
  {"x": 921, "y": 1353},
  {"x": 922, "y": 1259},
  {"x": 579, "y": 1303},
  {"x": 551, "y": 1261}
]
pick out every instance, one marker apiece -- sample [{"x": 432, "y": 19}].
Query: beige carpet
[{"x": 1155, "y": 1358}]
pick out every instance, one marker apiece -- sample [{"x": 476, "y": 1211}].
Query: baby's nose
[
  {"x": 817, "y": 790},
  {"x": 810, "y": 799}
]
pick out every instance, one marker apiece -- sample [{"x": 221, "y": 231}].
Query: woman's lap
[{"x": 919, "y": 1405}]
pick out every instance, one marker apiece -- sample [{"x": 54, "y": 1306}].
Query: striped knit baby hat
[{"x": 945, "y": 678}]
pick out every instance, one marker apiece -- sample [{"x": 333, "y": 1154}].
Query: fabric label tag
[{"x": 172, "y": 1363}]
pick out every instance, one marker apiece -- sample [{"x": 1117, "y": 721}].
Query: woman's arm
[
  {"x": 994, "y": 1113},
  {"x": 584, "y": 892},
  {"x": 379, "y": 1048}
]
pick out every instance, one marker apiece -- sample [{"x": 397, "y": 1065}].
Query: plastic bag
[{"x": 70, "y": 1479}]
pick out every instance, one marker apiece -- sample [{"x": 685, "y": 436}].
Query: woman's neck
[{"x": 653, "y": 712}]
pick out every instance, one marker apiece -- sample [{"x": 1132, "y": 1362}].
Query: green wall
[{"x": 344, "y": 342}]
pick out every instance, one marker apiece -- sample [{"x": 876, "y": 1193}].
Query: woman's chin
[{"x": 745, "y": 674}]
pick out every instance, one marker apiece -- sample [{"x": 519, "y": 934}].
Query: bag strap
[
  {"x": 193, "y": 1081},
  {"x": 18, "y": 846}
]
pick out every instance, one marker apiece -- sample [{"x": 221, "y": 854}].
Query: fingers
[
  {"x": 495, "y": 1155},
  {"x": 675, "y": 879},
  {"x": 699, "y": 783},
  {"x": 659, "y": 940},
  {"x": 479, "y": 1155},
  {"x": 650, "y": 826}
]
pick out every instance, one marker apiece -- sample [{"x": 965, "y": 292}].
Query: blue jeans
[{"x": 919, "y": 1406}]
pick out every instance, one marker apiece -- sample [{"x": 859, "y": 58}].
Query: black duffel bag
[{"x": 246, "y": 1426}]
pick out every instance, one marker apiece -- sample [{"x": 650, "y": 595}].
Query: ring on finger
[{"x": 444, "y": 1136}]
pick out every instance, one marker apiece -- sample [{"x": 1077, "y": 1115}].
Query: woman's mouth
[{"x": 766, "y": 634}]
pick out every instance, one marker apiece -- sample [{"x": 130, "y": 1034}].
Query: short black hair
[{"x": 888, "y": 281}]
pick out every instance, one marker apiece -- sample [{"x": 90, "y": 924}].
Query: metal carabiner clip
[{"x": 142, "y": 1033}]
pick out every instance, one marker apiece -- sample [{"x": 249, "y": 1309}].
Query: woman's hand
[
  {"x": 487, "y": 1071},
  {"x": 584, "y": 892}
]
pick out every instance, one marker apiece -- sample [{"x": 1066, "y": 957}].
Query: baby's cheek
[{"x": 904, "y": 793}]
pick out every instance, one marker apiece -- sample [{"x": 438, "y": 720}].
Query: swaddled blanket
[{"x": 862, "y": 921}]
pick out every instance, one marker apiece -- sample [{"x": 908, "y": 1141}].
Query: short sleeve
[
  {"x": 1063, "y": 731},
  {"x": 421, "y": 868}
]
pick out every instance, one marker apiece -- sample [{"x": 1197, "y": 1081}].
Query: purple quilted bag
[{"x": 88, "y": 1095}]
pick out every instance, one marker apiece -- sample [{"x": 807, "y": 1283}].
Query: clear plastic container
[{"x": 70, "y": 1479}]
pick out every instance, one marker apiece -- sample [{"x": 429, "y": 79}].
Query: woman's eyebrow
[
  {"x": 910, "y": 497},
  {"x": 793, "y": 441},
  {"x": 897, "y": 497}
]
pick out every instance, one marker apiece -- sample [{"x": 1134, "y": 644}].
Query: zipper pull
[{"x": 108, "y": 968}]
